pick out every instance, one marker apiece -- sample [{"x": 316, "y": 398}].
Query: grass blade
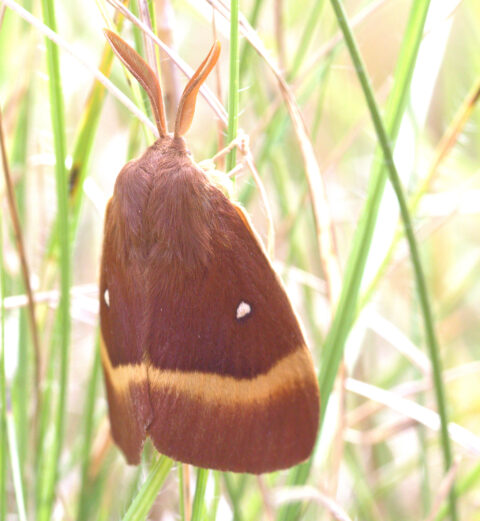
[
  {"x": 22, "y": 383},
  {"x": 3, "y": 389},
  {"x": 233, "y": 93},
  {"x": 312, "y": 22},
  {"x": 50, "y": 471},
  {"x": 234, "y": 496},
  {"x": 426, "y": 309},
  {"x": 88, "y": 433},
  {"x": 198, "y": 507},
  {"x": 143, "y": 501},
  {"x": 347, "y": 305},
  {"x": 15, "y": 463}
]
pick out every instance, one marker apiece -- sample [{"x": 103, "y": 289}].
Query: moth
[{"x": 201, "y": 349}]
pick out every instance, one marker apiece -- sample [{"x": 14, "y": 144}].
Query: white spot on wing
[
  {"x": 243, "y": 310},
  {"x": 106, "y": 298}
]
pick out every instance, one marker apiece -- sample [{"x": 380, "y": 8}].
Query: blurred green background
[{"x": 379, "y": 455}]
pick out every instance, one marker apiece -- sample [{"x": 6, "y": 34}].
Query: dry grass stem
[
  {"x": 278, "y": 8},
  {"x": 218, "y": 86},
  {"x": 405, "y": 389},
  {"x": 463, "y": 437},
  {"x": 449, "y": 139},
  {"x": 19, "y": 241},
  {"x": 101, "y": 445},
  {"x": 187, "y": 506},
  {"x": 147, "y": 42},
  {"x": 444, "y": 489},
  {"x": 170, "y": 79},
  {"x": 392, "y": 334},
  {"x": 381, "y": 434}
]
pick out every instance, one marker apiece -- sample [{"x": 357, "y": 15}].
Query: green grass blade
[
  {"x": 470, "y": 481},
  {"x": 431, "y": 338},
  {"x": 3, "y": 389},
  {"x": 344, "y": 317},
  {"x": 312, "y": 23},
  {"x": 246, "y": 48},
  {"x": 450, "y": 137},
  {"x": 198, "y": 506},
  {"x": 83, "y": 499},
  {"x": 233, "y": 91},
  {"x": 181, "y": 492},
  {"x": 234, "y": 495},
  {"x": 347, "y": 305},
  {"x": 83, "y": 145},
  {"x": 15, "y": 463},
  {"x": 50, "y": 470},
  {"x": 143, "y": 501},
  {"x": 22, "y": 384},
  {"x": 212, "y": 512},
  {"x": 21, "y": 388}
]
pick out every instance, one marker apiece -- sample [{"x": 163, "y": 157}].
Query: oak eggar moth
[{"x": 201, "y": 349}]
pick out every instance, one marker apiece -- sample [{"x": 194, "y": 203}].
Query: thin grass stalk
[
  {"x": 245, "y": 52},
  {"x": 22, "y": 382},
  {"x": 18, "y": 233},
  {"x": 233, "y": 85},
  {"x": 145, "y": 16},
  {"x": 217, "y": 494},
  {"x": 347, "y": 304},
  {"x": 328, "y": 46},
  {"x": 198, "y": 506},
  {"x": 323, "y": 81},
  {"x": 87, "y": 437},
  {"x": 52, "y": 35},
  {"x": 278, "y": 14},
  {"x": 234, "y": 495},
  {"x": 21, "y": 386},
  {"x": 366, "y": 504},
  {"x": 50, "y": 472},
  {"x": 42, "y": 453},
  {"x": 423, "y": 457},
  {"x": 3, "y": 389},
  {"x": 312, "y": 23},
  {"x": 88, "y": 125},
  {"x": 426, "y": 309},
  {"x": 356, "y": 263},
  {"x": 143, "y": 501},
  {"x": 443, "y": 488},
  {"x": 181, "y": 493},
  {"x": 15, "y": 464},
  {"x": 169, "y": 73},
  {"x": 447, "y": 142},
  {"x": 464, "y": 485},
  {"x": 83, "y": 144},
  {"x": 139, "y": 94}
]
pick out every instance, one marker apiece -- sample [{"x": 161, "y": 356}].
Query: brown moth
[{"x": 201, "y": 348}]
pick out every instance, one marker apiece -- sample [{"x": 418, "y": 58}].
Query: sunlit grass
[{"x": 379, "y": 454}]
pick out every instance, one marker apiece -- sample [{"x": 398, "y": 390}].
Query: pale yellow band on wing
[{"x": 293, "y": 371}]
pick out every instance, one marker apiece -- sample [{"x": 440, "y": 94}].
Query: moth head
[{"x": 149, "y": 81}]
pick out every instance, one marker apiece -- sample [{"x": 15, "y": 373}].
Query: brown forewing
[
  {"x": 122, "y": 311},
  {"x": 231, "y": 382}
]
